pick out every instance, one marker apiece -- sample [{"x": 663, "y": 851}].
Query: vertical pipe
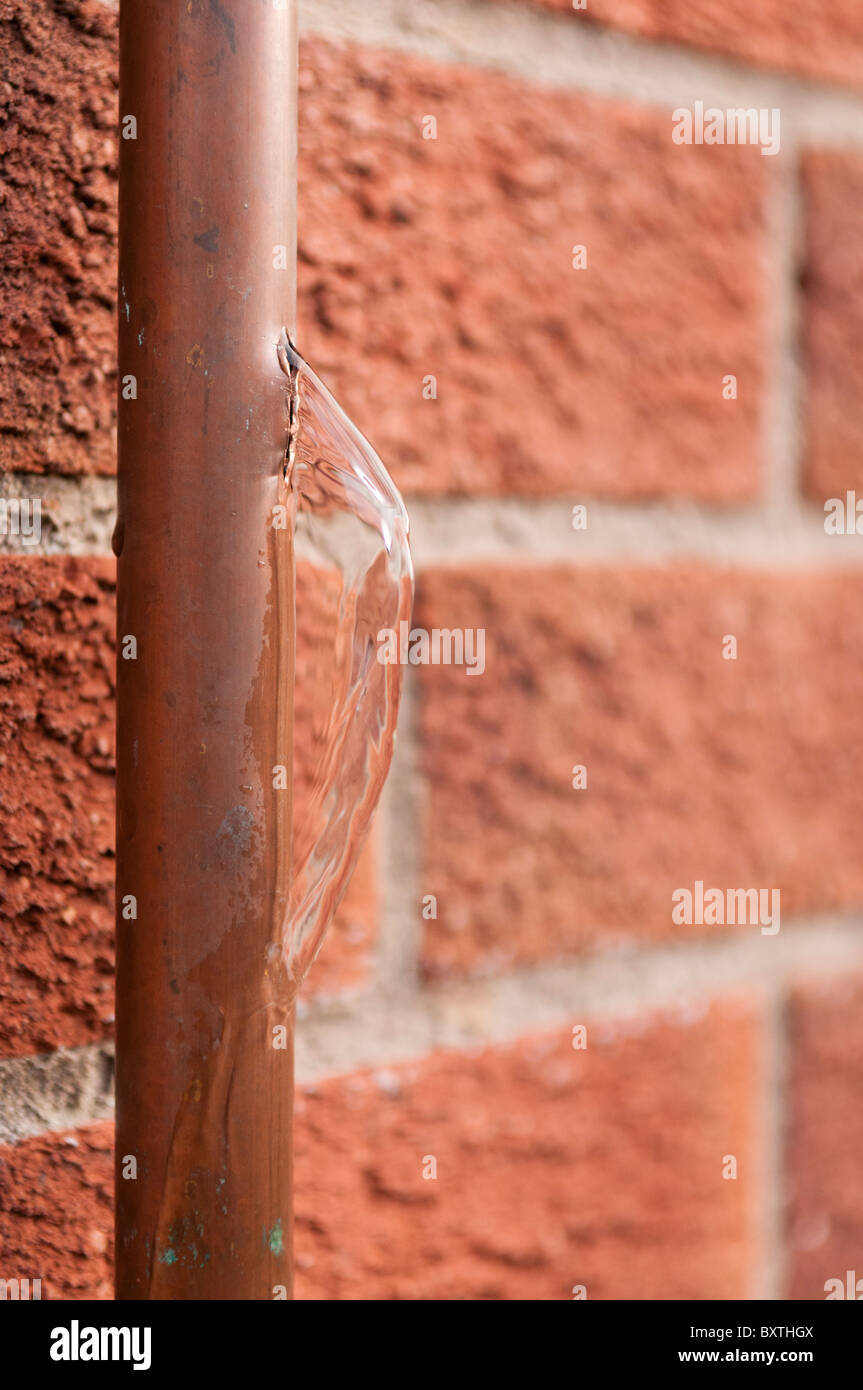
[{"x": 207, "y": 279}]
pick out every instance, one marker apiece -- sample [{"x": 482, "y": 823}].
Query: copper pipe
[{"x": 207, "y": 280}]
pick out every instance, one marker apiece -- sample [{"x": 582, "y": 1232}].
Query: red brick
[
  {"x": 833, "y": 184},
  {"x": 452, "y": 257},
  {"x": 448, "y": 257},
  {"x": 822, "y": 41},
  {"x": 555, "y": 1167},
  {"x": 739, "y": 773},
  {"x": 825, "y": 1138},
  {"x": 58, "y": 133},
  {"x": 56, "y": 802},
  {"x": 56, "y": 1212}
]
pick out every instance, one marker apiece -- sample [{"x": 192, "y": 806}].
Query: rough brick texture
[
  {"x": 555, "y": 1167},
  {"x": 56, "y": 802},
  {"x": 448, "y": 258},
  {"x": 56, "y": 1212},
  {"x": 833, "y": 282},
  {"x": 822, "y": 41},
  {"x": 453, "y": 258},
  {"x": 825, "y": 1138},
  {"x": 58, "y": 130},
  {"x": 733, "y": 772}
]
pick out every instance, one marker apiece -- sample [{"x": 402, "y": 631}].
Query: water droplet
[{"x": 353, "y": 579}]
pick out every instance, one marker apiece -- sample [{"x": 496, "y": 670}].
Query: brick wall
[{"x": 520, "y": 1076}]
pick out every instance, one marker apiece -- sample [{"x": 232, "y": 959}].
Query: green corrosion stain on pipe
[
  {"x": 168, "y": 1258},
  {"x": 276, "y": 1242}
]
